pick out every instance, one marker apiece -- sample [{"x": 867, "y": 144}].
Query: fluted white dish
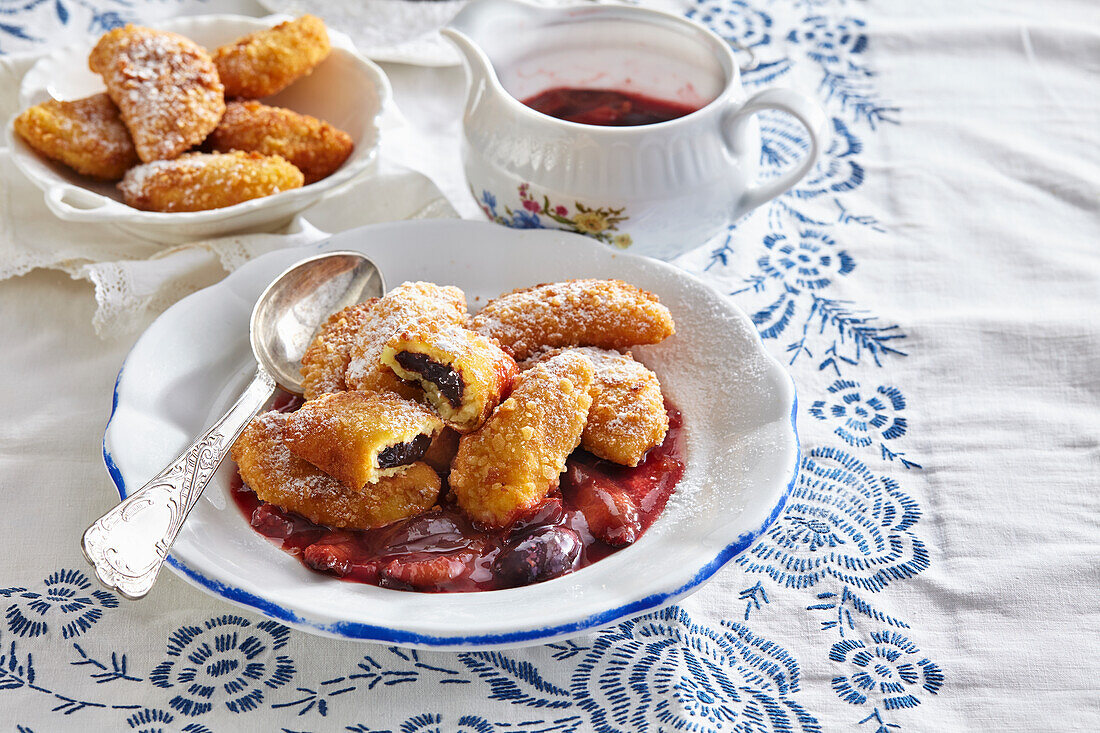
[
  {"x": 738, "y": 405},
  {"x": 345, "y": 90}
]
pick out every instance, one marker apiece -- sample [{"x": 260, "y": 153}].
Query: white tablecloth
[{"x": 935, "y": 287}]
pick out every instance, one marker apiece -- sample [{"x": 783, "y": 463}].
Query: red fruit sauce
[
  {"x": 605, "y": 107},
  {"x": 442, "y": 551}
]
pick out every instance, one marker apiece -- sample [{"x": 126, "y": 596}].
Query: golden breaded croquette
[
  {"x": 86, "y": 134},
  {"x": 405, "y": 304},
  {"x": 326, "y": 359},
  {"x": 610, "y": 314},
  {"x": 464, "y": 375},
  {"x": 315, "y": 148},
  {"x": 361, "y": 437},
  {"x": 165, "y": 86},
  {"x": 628, "y": 414},
  {"x": 277, "y": 476},
  {"x": 266, "y": 62},
  {"x": 201, "y": 181},
  {"x": 507, "y": 467}
]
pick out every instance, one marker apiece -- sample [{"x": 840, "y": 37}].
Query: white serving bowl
[
  {"x": 345, "y": 90},
  {"x": 737, "y": 402}
]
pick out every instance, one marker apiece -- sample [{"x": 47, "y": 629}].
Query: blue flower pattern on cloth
[
  {"x": 830, "y": 40},
  {"x": 889, "y": 668},
  {"x": 783, "y": 141},
  {"x": 861, "y": 417},
  {"x": 65, "y": 598},
  {"x": 746, "y": 26},
  {"x": 842, "y": 522},
  {"x": 810, "y": 261},
  {"x": 848, "y": 532},
  {"x": 663, "y": 672},
  {"x": 229, "y": 660},
  {"x": 151, "y": 720}
]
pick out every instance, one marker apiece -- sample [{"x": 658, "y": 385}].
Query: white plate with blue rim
[{"x": 738, "y": 408}]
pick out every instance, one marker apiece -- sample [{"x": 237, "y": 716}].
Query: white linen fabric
[{"x": 934, "y": 286}]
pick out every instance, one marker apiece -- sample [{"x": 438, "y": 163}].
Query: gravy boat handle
[{"x": 808, "y": 112}]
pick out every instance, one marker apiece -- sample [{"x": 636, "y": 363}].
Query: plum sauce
[{"x": 598, "y": 508}]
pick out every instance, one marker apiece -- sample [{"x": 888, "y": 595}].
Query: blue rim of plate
[{"x": 382, "y": 634}]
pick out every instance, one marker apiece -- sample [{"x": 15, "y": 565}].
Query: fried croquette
[
  {"x": 277, "y": 476},
  {"x": 166, "y": 88},
  {"x": 86, "y": 134},
  {"x": 361, "y": 437},
  {"x": 326, "y": 359},
  {"x": 464, "y": 375},
  {"x": 628, "y": 414},
  {"x": 266, "y": 62},
  {"x": 399, "y": 308},
  {"x": 506, "y": 468},
  {"x": 316, "y": 148},
  {"x": 201, "y": 181},
  {"x": 610, "y": 314}
]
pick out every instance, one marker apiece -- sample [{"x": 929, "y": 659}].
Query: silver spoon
[{"x": 128, "y": 544}]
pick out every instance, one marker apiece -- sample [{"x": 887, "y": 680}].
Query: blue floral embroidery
[
  {"x": 664, "y": 672},
  {"x": 828, "y": 39},
  {"x": 150, "y": 720},
  {"x": 227, "y": 658},
  {"x": 783, "y": 141},
  {"x": 117, "y": 670},
  {"x": 809, "y": 263},
  {"x": 438, "y": 723},
  {"x": 64, "y": 599},
  {"x": 890, "y": 668},
  {"x": 844, "y": 607},
  {"x": 433, "y": 723},
  {"x": 842, "y": 521},
  {"x": 517, "y": 682},
  {"x": 861, "y": 416},
  {"x": 748, "y": 27},
  {"x": 101, "y": 22},
  {"x": 736, "y": 20},
  {"x": 836, "y": 171}
]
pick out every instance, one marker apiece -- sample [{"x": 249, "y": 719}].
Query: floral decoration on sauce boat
[{"x": 602, "y": 223}]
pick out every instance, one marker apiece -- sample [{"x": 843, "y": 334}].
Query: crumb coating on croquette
[
  {"x": 277, "y": 476},
  {"x": 628, "y": 415},
  {"x": 202, "y": 181},
  {"x": 610, "y": 314},
  {"x": 314, "y": 147},
  {"x": 86, "y": 134},
  {"x": 484, "y": 371},
  {"x": 344, "y": 433},
  {"x": 166, "y": 88},
  {"x": 405, "y": 304},
  {"x": 326, "y": 359},
  {"x": 507, "y": 467},
  {"x": 267, "y": 61}
]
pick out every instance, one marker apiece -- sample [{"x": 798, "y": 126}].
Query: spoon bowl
[
  {"x": 127, "y": 545},
  {"x": 292, "y": 307}
]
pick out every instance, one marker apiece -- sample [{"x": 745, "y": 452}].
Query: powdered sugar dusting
[{"x": 165, "y": 85}]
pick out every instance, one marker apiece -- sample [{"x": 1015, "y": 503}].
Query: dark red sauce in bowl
[
  {"x": 606, "y": 107},
  {"x": 442, "y": 551}
]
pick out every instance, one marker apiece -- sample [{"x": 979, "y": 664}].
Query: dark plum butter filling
[
  {"x": 447, "y": 379},
  {"x": 402, "y": 454},
  {"x": 598, "y": 508}
]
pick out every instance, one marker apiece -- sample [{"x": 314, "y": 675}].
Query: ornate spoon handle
[{"x": 128, "y": 544}]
